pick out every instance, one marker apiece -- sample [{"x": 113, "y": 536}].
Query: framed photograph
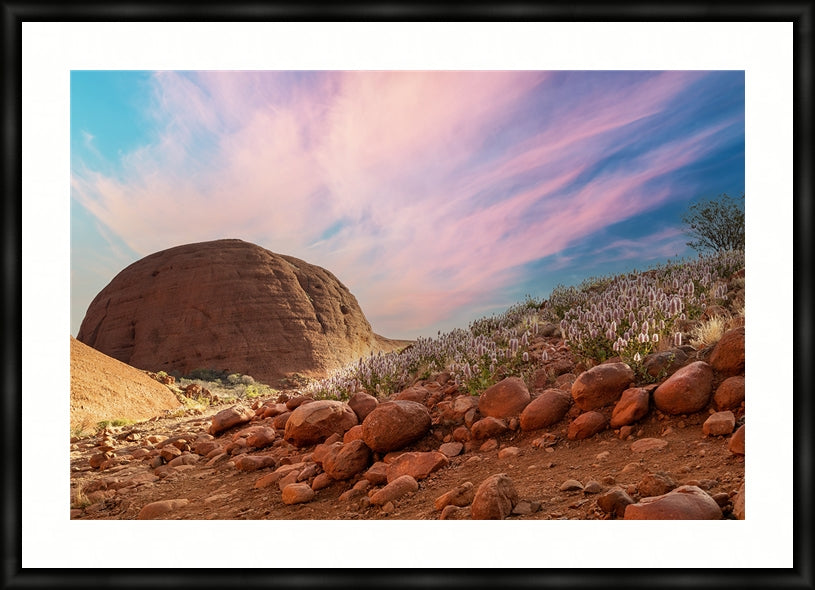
[{"x": 414, "y": 285}]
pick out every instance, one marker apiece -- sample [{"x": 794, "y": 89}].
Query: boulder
[
  {"x": 362, "y": 404},
  {"x": 416, "y": 465},
  {"x": 633, "y": 406},
  {"x": 229, "y": 418},
  {"x": 736, "y": 444},
  {"x": 545, "y": 410},
  {"x": 396, "y": 489},
  {"x": 416, "y": 393},
  {"x": 494, "y": 499},
  {"x": 394, "y": 425},
  {"x": 614, "y": 502},
  {"x": 727, "y": 357},
  {"x": 586, "y": 425},
  {"x": 347, "y": 460},
  {"x": 655, "y": 484},
  {"x": 506, "y": 398},
  {"x": 687, "y": 391},
  {"x": 261, "y": 437},
  {"x": 314, "y": 422},
  {"x": 683, "y": 503},
  {"x": 254, "y": 462},
  {"x": 730, "y": 393},
  {"x": 488, "y": 427},
  {"x": 297, "y": 493},
  {"x": 719, "y": 424},
  {"x": 228, "y": 305},
  {"x": 353, "y": 433},
  {"x": 601, "y": 385},
  {"x": 160, "y": 508}
]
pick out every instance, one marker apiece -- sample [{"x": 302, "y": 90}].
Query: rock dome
[{"x": 231, "y": 306}]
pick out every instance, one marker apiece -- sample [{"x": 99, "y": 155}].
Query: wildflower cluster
[
  {"x": 630, "y": 315},
  {"x": 490, "y": 349},
  {"x": 627, "y": 315}
]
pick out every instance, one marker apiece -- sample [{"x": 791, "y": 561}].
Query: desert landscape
[{"x": 219, "y": 380}]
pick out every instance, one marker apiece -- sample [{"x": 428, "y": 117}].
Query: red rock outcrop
[{"x": 232, "y": 306}]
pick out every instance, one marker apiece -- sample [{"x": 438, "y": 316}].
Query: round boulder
[
  {"x": 729, "y": 394},
  {"x": 494, "y": 499},
  {"x": 601, "y": 385},
  {"x": 504, "y": 399},
  {"x": 314, "y": 422},
  {"x": 545, "y": 410},
  {"x": 362, "y": 404},
  {"x": 683, "y": 503},
  {"x": 727, "y": 357},
  {"x": 687, "y": 391},
  {"x": 586, "y": 425},
  {"x": 394, "y": 425}
]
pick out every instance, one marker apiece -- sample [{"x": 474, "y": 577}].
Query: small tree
[{"x": 716, "y": 225}]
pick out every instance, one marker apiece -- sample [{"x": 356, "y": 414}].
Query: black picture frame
[{"x": 251, "y": 575}]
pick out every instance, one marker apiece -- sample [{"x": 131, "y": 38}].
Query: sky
[{"x": 436, "y": 197}]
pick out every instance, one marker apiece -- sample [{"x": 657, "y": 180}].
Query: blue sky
[{"x": 436, "y": 196}]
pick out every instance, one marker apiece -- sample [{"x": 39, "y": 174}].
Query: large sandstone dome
[{"x": 232, "y": 306}]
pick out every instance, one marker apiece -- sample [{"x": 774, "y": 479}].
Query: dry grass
[
  {"x": 79, "y": 499},
  {"x": 709, "y": 332}
]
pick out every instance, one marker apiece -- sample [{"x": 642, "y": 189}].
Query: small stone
[
  {"x": 451, "y": 449},
  {"x": 461, "y": 495},
  {"x": 593, "y": 487},
  {"x": 509, "y": 452},
  {"x": 571, "y": 485},
  {"x": 451, "y": 512},
  {"x": 736, "y": 444},
  {"x": 321, "y": 481},
  {"x": 614, "y": 502},
  {"x": 399, "y": 487},
  {"x": 494, "y": 499},
  {"x": 297, "y": 493},
  {"x": 648, "y": 444},
  {"x": 489, "y": 445},
  {"x": 160, "y": 508},
  {"x": 719, "y": 424}
]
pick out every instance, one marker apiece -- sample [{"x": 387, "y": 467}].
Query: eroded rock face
[{"x": 227, "y": 305}]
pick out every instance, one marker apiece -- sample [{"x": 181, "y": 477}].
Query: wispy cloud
[{"x": 422, "y": 191}]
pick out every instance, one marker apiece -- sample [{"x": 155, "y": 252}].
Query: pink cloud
[{"x": 389, "y": 155}]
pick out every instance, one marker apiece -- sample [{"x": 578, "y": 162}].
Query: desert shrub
[
  {"x": 716, "y": 225},
  {"x": 211, "y": 375}
]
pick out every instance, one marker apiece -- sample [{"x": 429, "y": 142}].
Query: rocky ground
[{"x": 573, "y": 443}]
